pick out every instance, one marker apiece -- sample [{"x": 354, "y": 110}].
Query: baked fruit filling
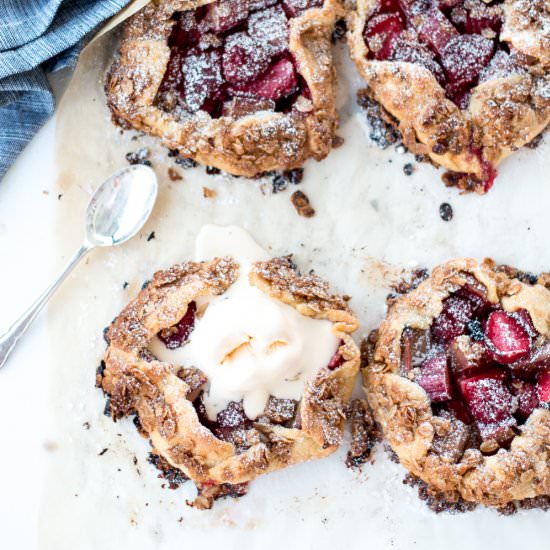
[
  {"x": 231, "y": 423},
  {"x": 232, "y": 58},
  {"x": 456, "y": 40},
  {"x": 484, "y": 369}
]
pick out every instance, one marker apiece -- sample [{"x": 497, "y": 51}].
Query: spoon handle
[{"x": 11, "y": 337}]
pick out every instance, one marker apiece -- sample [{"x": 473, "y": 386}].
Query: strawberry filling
[
  {"x": 487, "y": 368},
  {"x": 454, "y": 39},
  {"x": 231, "y": 52}
]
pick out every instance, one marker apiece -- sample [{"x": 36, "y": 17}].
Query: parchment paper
[{"x": 372, "y": 223}]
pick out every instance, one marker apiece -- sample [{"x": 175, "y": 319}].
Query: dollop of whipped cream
[{"x": 249, "y": 345}]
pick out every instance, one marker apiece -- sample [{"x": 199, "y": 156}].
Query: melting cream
[{"x": 250, "y": 346}]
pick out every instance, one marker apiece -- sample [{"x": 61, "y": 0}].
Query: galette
[
  {"x": 467, "y": 82},
  {"x": 458, "y": 376},
  {"x": 245, "y": 86},
  {"x": 233, "y": 366}
]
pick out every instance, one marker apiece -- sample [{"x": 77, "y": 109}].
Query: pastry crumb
[
  {"x": 301, "y": 202},
  {"x": 208, "y": 193},
  {"x": 174, "y": 175}
]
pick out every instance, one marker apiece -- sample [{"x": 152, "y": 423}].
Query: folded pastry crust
[
  {"x": 404, "y": 411},
  {"x": 244, "y": 146},
  {"x": 503, "y": 114},
  {"x": 139, "y": 384}
]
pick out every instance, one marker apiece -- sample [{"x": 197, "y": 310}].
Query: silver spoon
[{"x": 116, "y": 212}]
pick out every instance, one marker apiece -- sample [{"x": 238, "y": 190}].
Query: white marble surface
[{"x": 367, "y": 212}]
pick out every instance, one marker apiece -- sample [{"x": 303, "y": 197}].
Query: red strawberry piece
[
  {"x": 465, "y": 56},
  {"x": 466, "y": 355},
  {"x": 459, "y": 410},
  {"x": 279, "y": 81},
  {"x": 481, "y": 17},
  {"x": 434, "y": 29},
  {"x": 380, "y": 33},
  {"x": 337, "y": 359},
  {"x": 415, "y": 344},
  {"x": 435, "y": 379},
  {"x": 203, "y": 78},
  {"x": 506, "y": 338},
  {"x": 487, "y": 396},
  {"x": 174, "y": 337},
  {"x": 270, "y": 29},
  {"x": 528, "y": 399},
  {"x": 254, "y": 5},
  {"x": 543, "y": 387},
  {"x": 244, "y": 59},
  {"x": 296, "y": 7},
  {"x": 224, "y": 15},
  {"x": 185, "y": 33}
]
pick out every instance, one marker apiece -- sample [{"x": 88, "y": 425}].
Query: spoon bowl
[
  {"x": 120, "y": 206},
  {"x": 117, "y": 211}
]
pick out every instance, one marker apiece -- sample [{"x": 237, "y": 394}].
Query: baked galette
[
  {"x": 246, "y": 86},
  {"x": 233, "y": 366},
  {"x": 466, "y": 81},
  {"x": 458, "y": 377}
]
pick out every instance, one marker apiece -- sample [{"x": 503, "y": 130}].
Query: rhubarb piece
[
  {"x": 501, "y": 433},
  {"x": 528, "y": 399},
  {"x": 507, "y": 338},
  {"x": 280, "y": 411},
  {"x": 524, "y": 318},
  {"x": 279, "y": 81},
  {"x": 380, "y": 33},
  {"x": 465, "y": 355},
  {"x": 203, "y": 78},
  {"x": 241, "y": 106},
  {"x": 459, "y": 410},
  {"x": 224, "y": 15},
  {"x": 244, "y": 59},
  {"x": 458, "y": 310},
  {"x": 294, "y": 8},
  {"x": 230, "y": 422},
  {"x": 254, "y": 5},
  {"x": 404, "y": 50},
  {"x": 174, "y": 337},
  {"x": 415, "y": 344},
  {"x": 448, "y": 4},
  {"x": 538, "y": 359},
  {"x": 185, "y": 33},
  {"x": 543, "y": 387},
  {"x": 482, "y": 19},
  {"x": 269, "y": 29},
  {"x": 435, "y": 379},
  {"x": 434, "y": 29},
  {"x": 487, "y": 396},
  {"x": 464, "y": 57},
  {"x": 337, "y": 360},
  {"x": 450, "y": 443}
]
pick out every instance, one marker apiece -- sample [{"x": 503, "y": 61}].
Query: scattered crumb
[
  {"x": 86, "y": 425},
  {"x": 212, "y": 171},
  {"x": 151, "y": 236},
  {"x": 337, "y": 141},
  {"x": 59, "y": 196},
  {"x": 446, "y": 212},
  {"x": 101, "y": 453},
  {"x": 45, "y": 193},
  {"x": 301, "y": 203},
  {"x": 125, "y": 285},
  {"x": 141, "y": 156},
  {"x": 50, "y": 446},
  {"x": 208, "y": 193},
  {"x": 408, "y": 169},
  {"x": 174, "y": 175}
]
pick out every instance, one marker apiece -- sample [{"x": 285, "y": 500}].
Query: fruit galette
[
  {"x": 459, "y": 379},
  {"x": 233, "y": 367},
  {"x": 246, "y": 86},
  {"x": 467, "y": 81}
]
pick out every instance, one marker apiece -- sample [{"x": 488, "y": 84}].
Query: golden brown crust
[
  {"x": 503, "y": 114},
  {"x": 161, "y": 397},
  {"x": 403, "y": 409},
  {"x": 245, "y": 146}
]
